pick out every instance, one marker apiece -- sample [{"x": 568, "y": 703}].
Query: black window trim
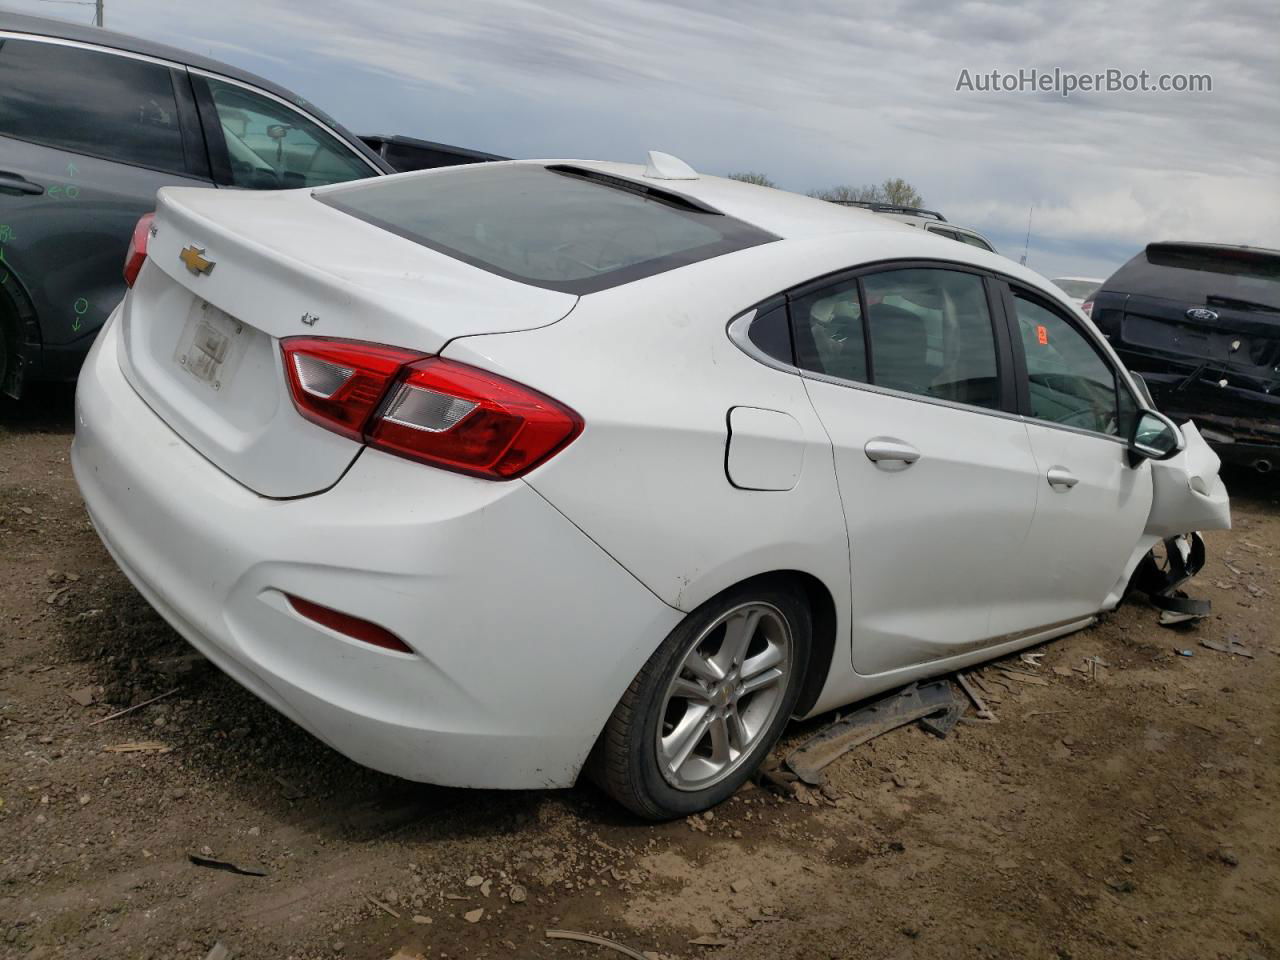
[
  {"x": 197, "y": 172},
  {"x": 999, "y": 331},
  {"x": 219, "y": 158},
  {"x": 1118, "y": 372}
]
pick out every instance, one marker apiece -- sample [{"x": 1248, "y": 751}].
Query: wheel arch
[
  {"x": 822, "y": 606},
  {"x": 20, "y": 329}
]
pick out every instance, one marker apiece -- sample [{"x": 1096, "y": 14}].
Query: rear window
[
  {"x": 562, "y": 228},
  {"x": 1201, "y": 275}
]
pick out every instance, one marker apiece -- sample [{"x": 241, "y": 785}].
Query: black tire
[{"x": 625, "y": 760}]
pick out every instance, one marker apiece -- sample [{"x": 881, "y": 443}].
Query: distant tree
[
  {"x": 895, "y": 190},
  {"x": 869, "y": 192},
  {"x": 899, "y": 192},
  {"x": 748, "y": 176}
]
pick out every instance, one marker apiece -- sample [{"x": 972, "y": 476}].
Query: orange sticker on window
[{"x": 1042, "y": 335}]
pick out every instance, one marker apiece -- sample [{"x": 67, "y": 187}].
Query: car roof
[
  {"x": 1080, "y": 279},
  {"x": 62, "y": 30}
]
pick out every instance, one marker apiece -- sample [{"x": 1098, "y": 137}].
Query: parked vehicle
[
  {"x": 409, "y": 153},
  {"x": 1080, "y": 290},
  {"x": 92, "y": 123},
  {"x": 930, "y": 221},
  {"x": 558, "y": 465},
  {"x": 1201, "y": 323}
]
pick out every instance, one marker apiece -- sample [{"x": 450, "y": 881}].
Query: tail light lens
[
  {"x": 1087, "y": 307},
  {"x": 137, "y": 252},
  {"x": 351, "y": 626},
  {"x": 339, "y": 384},
  {"x": 436, "y": 411}
]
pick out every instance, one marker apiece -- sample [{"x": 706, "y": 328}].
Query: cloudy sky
[{"x": 813, "y": 93}]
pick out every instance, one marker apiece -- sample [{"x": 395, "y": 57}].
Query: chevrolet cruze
[{"x": 496, "y": 476}]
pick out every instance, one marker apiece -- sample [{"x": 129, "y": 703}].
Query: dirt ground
[{"x": 1114, "y": 811}]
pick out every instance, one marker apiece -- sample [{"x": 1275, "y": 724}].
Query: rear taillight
[
  {"x": 337, "y": 383},
  {"x": 137, "y": 252},
  {"x": 1087, "y": 307},
  {"x": 436, "y": 411}
]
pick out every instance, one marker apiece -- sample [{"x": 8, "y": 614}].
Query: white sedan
[{"x": 494, "y": 475}]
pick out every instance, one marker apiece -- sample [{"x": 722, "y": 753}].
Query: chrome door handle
[
  {"x": 14, "y": 183},
  {"x": 880, "y": 449},
  {"x": 1060, "y": 478}
]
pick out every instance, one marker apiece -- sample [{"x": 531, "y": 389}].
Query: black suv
[
  {"x": 92, "y": 123},
  {"x": 1200, "y": 322}
]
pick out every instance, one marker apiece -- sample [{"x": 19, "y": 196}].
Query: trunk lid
[{"x": 202, "y": 347}]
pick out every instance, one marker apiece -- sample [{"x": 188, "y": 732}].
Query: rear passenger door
[
  {"x": 87, "y": 136},
  {"x": 909, "y": 369},
  {"x": 1093, "y": 505}
]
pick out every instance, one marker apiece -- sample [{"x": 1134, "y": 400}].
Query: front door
[
  {"x": 1093, "y": 505},
  {"x": 910, "y": 377}
]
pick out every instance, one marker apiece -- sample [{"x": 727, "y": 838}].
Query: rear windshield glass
[
  {"x": 1202, "y": 275},
  {"x": 561, "y": 228}
]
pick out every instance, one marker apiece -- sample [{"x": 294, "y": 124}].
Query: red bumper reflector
[{"x": 353, "y": 627}]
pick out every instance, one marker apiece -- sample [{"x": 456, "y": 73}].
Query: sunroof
[{"x": 560, "y": 227}]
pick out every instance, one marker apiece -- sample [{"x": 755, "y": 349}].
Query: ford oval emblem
[{"x": 1200, "y": 313}]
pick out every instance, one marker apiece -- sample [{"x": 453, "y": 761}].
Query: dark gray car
[{"x": 92, "y": 123}]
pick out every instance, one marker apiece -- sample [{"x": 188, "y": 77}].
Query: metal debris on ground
[
  {"x": 213, "y": 864},
  {"x": 1022, "y": 677},
  {"x": 1230, "y": 645},
  {"x": 136, "y": 706},
  {"x": 896, "y": 710},
  {"x": 598, "y": 941},
  {"x": 219, "y": 951},
  {"x": 984, "y": 713},
  {"x": 141, "y": 746},
  {"x": 1031, "y": 659}
]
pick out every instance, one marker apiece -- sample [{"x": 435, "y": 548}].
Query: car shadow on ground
[
  {"x": 44, "y": 408},
  {"x": 257, "y": 758}
]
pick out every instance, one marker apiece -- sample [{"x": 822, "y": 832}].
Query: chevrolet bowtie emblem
[{"x": 195, "y": 259}]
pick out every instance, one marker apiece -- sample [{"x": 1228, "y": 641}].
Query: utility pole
[{"x": 98, "y": 17}]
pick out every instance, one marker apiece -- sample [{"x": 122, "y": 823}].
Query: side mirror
[{"x": 1155, "y": 437}]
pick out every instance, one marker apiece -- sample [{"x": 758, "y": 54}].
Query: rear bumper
[{"x": 525, "y": 632}]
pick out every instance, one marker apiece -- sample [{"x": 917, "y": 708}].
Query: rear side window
[
  {"x": 561, "y": 228},
  {"x": 923, "y": 331},
  {"x": 1200, "y": 275},
  {"x": 271, "y": 147},
  {"x": 100, "y": 104},
  {"x": 830, "y": 338}
]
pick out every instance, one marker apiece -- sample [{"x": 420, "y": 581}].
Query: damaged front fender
[{"x": 1187, "y": 493}]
